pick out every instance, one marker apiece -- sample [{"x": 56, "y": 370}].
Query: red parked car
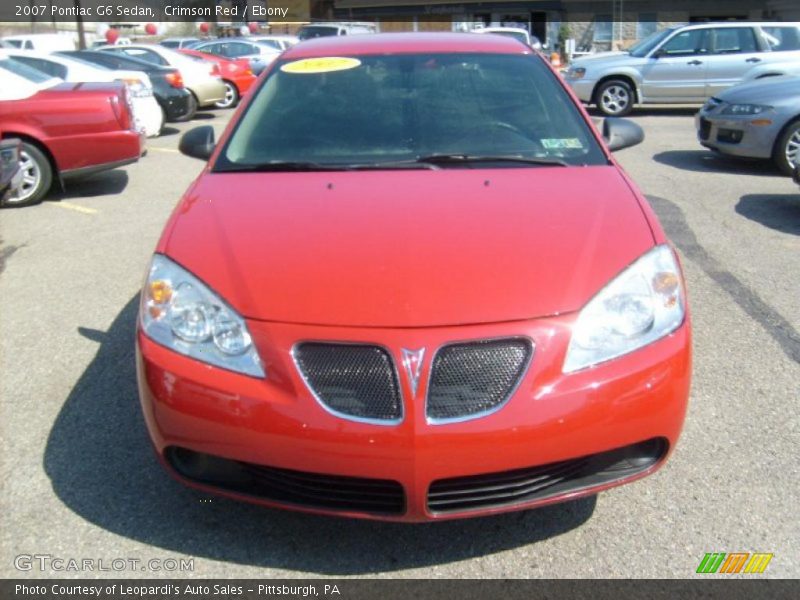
[
  {"x": 68, "y": 130},
  {"x": 236, "y": 74},
  {"x": 412, "y": 283}
]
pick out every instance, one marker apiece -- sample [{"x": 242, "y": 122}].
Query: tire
[
  {"x": 231, "y": 96},
  {"x": 37, "y": 178},
  {"x": 787, "y": 149},
  {"x": 191, "y": 104},
  {"x": 614, "y": 98}
]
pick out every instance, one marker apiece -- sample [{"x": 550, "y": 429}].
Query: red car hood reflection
[{"x": 408, "y": 248}]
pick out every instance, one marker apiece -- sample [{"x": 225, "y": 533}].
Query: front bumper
[
  {"x": 208, "y": 91},
  {"x": 583, "y": 88},
  {"x": 277, "y": 424},
  {"x": 175, "y": 103},
  {"x": 736, "y": 135}
]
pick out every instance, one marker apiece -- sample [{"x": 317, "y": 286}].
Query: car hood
[
  {"x": 408, "y": 248},
  {"x": 605, "y": 58},
  {"x": 764, "y": 91}
]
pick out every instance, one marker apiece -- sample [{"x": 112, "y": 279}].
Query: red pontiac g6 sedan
[{"x": 413, "y": 284}]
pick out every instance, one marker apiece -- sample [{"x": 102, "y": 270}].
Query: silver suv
[{"x": 685, "y": 64}]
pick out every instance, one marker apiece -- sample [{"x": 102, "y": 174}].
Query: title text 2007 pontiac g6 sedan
[{"x": 412, "y": 284}]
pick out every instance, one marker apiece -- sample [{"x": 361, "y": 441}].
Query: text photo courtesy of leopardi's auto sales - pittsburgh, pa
[{"x": 361, "y": 298}]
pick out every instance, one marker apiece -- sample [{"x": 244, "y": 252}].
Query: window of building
[
  {"x": 603, "y": 28},
  {"x": 646, "y": 25}
]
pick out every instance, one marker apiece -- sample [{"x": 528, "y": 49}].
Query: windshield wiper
[
  {"x": 432, "y": 161},
  {"x": 281, "y": 165},
  {"x": 300, "y": 166},
  {"x": 456, "y": 159}
]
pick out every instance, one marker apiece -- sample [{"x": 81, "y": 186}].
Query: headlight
[
  {"x": 745, "y": 109},
  {"x": 642, "y": 304},
  {"x": 180, "y": 312},
  {"x": 576, "y": 72}
]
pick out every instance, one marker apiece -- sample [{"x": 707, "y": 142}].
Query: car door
[
  {"x": 734, "y": 51},
  {"x": 676, "y": 70}
]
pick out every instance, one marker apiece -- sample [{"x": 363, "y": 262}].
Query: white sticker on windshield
[{"x": 561, "y": 143}]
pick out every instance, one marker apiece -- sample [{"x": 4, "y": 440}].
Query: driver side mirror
[
  {"x": 658, "y": 53},
  {"x": 621, "y": 133},
  {"x": 198, "y": 142}
]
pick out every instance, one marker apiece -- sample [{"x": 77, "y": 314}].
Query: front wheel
[
  {"x": 37, "y": 177},
  {"x": 787, "y": 149},
  {"x": 231, "y": 96},
  {"x": 191, "y": 109},
  {"x": 614, "y": 98}
]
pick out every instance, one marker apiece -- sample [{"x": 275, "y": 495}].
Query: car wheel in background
[
  {"x": 614, "y": 98},
  {"x": 231, "y": 96},
  {"x": 191, "y": 108},
  {"x": 787, "y": 149},
  {"x": 37, "y": 177}
]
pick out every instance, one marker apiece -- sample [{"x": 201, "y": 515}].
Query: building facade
[{"x": 594, "y": 25}]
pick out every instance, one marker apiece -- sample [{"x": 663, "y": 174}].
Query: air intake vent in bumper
[
  {"x": 285, "y": 486},
  {"x": 468, "y": 379},
  {"x": 354, "y": 381},
  {"x": 535, "y": 483}
]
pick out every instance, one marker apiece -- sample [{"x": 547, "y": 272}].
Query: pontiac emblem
[{"x": 412, "y": 363}]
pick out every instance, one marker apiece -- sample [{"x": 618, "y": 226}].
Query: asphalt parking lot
[{"x": 80, "y": 480}]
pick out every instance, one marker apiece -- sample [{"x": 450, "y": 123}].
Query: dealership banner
[
  {"x": 271, "y": 11},
  {"x": 394, "y": 589},
  {"x": 155, "y": 11}
]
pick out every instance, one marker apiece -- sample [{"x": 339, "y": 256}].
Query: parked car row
[{"x": 66, "y": 129}]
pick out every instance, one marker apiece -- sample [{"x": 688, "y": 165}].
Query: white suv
[
  {"x": 685, "y": 64},
  {"x": 330, "y": 28}
]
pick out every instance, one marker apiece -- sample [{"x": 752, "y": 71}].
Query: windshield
[
  {"x": 379, "y": 109},
  {"x": 643, "y": 47},
  {"x": 307, "y": 33}
]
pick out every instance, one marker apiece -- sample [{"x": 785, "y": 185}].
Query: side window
[
  {"x": 782, "y": 39},
  {"x": 734, "y": 40},
  {"x": 685, "y": 43},
  {"x": 28, "y": 45},
  {"x": 45, "y": 66},
  {"x": 148, "y": 55},
  {"x": 211, "y": 48},
  {"x": 236, "y": 49}
]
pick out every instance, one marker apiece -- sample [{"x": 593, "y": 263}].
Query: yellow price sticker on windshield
[{"x": 326, "y": 64}]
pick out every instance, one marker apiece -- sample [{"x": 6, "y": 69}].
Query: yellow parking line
[
  {"x": 75, "y": 207},
  {"x": 157, "y": 149}
]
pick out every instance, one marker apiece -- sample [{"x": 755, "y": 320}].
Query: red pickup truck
[{"x": 67, "y": 130}]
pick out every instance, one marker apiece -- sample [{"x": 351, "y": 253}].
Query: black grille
[
  {"x": 285, "y": 486},
  {"x": 475, "y": 377},
  {"x": 534, "y": 483},
  {"x": 705, "y": 128},
  {"x": 354, "y": 380}
]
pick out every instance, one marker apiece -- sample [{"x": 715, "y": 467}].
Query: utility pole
[{"x": 79, "y": 22}]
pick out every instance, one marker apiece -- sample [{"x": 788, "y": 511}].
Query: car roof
[
  {"x": 717, "y": 24},
  {"x": 496, "y": 29},
  {"x": 408, "y": 43}
]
